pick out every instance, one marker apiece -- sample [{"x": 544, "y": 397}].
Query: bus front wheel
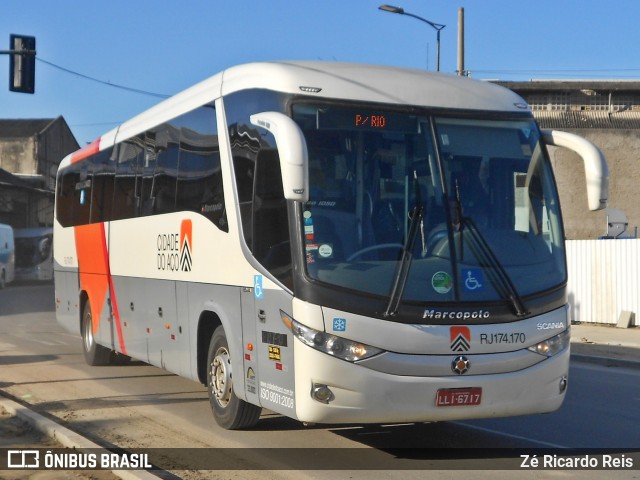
[
  {"x": 229, "y": 411},
  {"x": 94, "y": 354}
]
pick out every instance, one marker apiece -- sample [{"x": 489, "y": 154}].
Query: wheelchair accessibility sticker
[
  {"x": 473, "y": 279},
  {"x": 257, "y": 287}
]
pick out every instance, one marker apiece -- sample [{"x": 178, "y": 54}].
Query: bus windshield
[{"x": 429, "y": 208}]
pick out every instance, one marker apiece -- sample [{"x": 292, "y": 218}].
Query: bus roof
[
  {"x": 373, "y": 83},
  {"x": 347, "y": 81}
]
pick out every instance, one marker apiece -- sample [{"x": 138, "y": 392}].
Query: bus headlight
[
  {"x": 330, "y": 344},
  {"x": 552, "y": 345}
]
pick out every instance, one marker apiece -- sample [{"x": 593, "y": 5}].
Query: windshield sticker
[
  {"x": 308, "y": 226},
  {"x": 339, "y": 324},
  {"x": 473, "y": 279},
  {"x": 442, "y": 282},
  {"x": 325, "y": 250}
]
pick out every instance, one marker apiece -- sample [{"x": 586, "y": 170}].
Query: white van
[{"x": 7, "y": 255}]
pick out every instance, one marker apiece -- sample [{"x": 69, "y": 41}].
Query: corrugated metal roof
[
  {"x": 569, "y": 85},
  {"x": 23, "y": 128},
  {"x": 587, "y": 119},
  {"x": 8, "y": 178}
]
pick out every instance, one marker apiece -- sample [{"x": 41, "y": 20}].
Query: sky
[{"x": 161, "y": 47}]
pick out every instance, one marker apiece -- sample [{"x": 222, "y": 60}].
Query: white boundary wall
[{"x": 603, "y": 279}]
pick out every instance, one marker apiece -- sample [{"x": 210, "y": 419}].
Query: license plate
[{"x": 457, "y": 397}]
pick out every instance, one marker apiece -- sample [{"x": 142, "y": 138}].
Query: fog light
[
  {"x": 321, "y": 393},
  {"x": 563, "y": 384}
]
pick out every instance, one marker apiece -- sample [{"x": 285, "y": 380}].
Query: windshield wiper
[
  {"x": 489, "y": 258},
  {"x": 404, "y": 265}
]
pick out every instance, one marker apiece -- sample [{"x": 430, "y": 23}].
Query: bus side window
[
  {"x": 270, "y": 228},
  {"x": 243, "y": 168},
  {"x": 65, "y": 205},
  {"x": 163, "y": 192},
  {"x": 82, "y": 195},
  {"x": 102, "y": 186},
  {"x": 148, "y": 171},
  {"x": 126, "y": 195},
  {"x": 263, "y": 208},
  {"x": 199, "y": 187}
]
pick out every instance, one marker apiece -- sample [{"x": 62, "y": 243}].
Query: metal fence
[{"x": 603, "y": 279}]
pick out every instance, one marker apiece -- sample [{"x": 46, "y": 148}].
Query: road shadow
[
  {"x": 23, "y": 359},
  {"x": 24, "y": 298}
]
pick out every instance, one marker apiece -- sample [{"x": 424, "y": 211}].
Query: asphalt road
[{"x": 139, "y": 406}]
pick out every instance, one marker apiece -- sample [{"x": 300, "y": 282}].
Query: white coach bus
[
  {"x": 336, "y": 243},
  {"x": 34, "y": 254}
]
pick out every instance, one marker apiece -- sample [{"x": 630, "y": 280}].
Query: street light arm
[{"x": 437, "y": 26}]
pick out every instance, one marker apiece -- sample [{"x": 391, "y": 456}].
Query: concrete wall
[
  {"x": 18, "y": 155},
  {"x": 53, "y": 145},
  {"x": 622, "y": 149}
]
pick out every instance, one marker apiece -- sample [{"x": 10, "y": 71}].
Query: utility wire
[{"x": 103, "y": 82}]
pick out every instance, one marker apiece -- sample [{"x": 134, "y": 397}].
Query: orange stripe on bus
[
  {"x": 95, "y": 274},
  {"x": 84, "y": 152}
]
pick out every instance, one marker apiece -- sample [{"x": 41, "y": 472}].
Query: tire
[
  {"x": 3, "y": 281},
  {"x": 229, "y": 411},
  {"x": 94, "y": 354}
]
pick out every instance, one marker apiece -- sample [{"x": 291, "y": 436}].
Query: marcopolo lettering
[{"x": 467, "y": 315}]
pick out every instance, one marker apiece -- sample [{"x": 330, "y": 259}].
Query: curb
[
  {"x": 66, "y": 437},
  {"x": 605, "y": 361}
]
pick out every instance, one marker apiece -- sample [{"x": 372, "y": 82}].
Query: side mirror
[
  {"x": 595, "y": 165},
  {"x": 292, "y": 149}
]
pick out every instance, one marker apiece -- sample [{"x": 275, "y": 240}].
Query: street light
[{"x": 436, "y": 26}]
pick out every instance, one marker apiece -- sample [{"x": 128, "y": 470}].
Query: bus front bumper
[{"x": 329, "y": 390}]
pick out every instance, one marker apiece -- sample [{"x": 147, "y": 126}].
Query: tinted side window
[
  {"x": 102, "y": 178},
  {"x": 256, "y": 163},
  {"x": 199, "y": 185},
  {"x": 85, "y": 191},
  {"x": 163, "y": 188},
  {"x": 172, "y": 167},
  {"x": 127, "y": 188}
]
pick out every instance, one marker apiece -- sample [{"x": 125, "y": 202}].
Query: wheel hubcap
[
  {"x": 88, "y": 332},
  {"x": 221, "y": 377}
]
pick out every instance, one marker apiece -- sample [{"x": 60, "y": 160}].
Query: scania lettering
[
  {"x": 551, "y": 326},
  {"x": 325, "y": 240}
]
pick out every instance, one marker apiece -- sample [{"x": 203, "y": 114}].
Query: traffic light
[{"x": 22, "y": 63}]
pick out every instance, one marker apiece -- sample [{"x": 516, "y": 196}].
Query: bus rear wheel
[
  {"x": 94, "y": 354},
  {"x": 229, "y": 411}
]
